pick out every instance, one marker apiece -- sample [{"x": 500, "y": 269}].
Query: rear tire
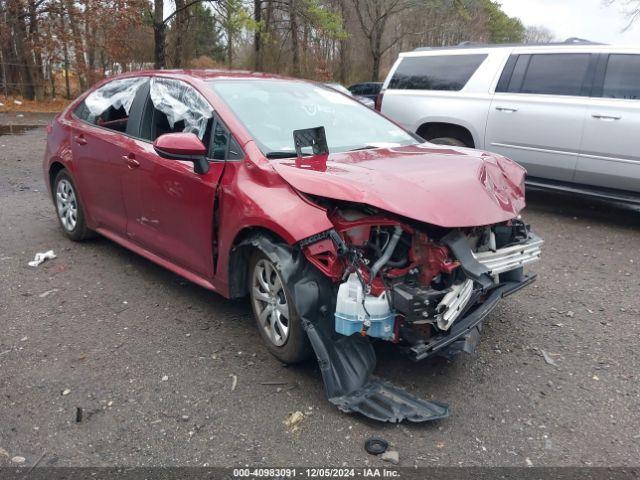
[
  {"x": 454, "y": 142},
  {"x": 278, "y": 322},
  {"x": 68, "y": 208}
]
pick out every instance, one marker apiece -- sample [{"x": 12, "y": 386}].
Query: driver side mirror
[{"x": 183, "y": 146}]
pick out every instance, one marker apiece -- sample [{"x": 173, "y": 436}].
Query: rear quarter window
[
  {"x": 622, "y": 77},
  {"x": 438, "y": 72}
]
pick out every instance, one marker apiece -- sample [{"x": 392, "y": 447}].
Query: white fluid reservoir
[{"x": 354, "y": 309}]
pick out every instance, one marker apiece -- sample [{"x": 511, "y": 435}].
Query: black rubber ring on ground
[{"x": 376, "y": 446}]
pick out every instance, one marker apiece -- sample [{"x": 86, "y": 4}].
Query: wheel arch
[
  {"x": 431, "y": 130},
  {"x": 238, "y": 267},
  {"x": 54, "y": 169}
]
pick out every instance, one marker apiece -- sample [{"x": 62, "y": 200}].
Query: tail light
[{"x": 378, "y": 104}]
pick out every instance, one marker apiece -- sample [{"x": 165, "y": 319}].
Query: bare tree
[
  {"x": 538, "y": 34},
  {"x": 630, "y": 8},
  {"x": 374, "y": 16}
]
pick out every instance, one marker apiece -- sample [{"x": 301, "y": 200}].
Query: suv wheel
[
  {"x": 448, "y": 141},
  {"x": 278, "y": 323}
]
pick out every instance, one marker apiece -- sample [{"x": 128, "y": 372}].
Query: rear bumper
[{"x": 467, "y": 325}]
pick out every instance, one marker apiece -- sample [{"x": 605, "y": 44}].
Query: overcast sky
[{"x": 590, "y": 19}]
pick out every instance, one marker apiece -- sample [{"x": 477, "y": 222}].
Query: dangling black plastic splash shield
[{"x": 346, "y": 363}]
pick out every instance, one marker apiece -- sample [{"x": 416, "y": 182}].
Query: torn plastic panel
[
  {"x": 180, "y": 102},
  {"x": 117, "y": 94},
  {"x": 346, "y": 363}
]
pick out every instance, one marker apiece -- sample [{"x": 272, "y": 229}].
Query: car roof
[
  {"x": 206, "y": 74},
  {"x": 469, "y": 49}
]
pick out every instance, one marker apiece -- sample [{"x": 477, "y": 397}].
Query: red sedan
[{"x": 341, "y": 227}]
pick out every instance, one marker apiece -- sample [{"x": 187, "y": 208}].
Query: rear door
[
  {"x": 537, "y": 113},
  {"x": 610, "y": 153},
  {"x": 169, "y": 206},
  {"x": 99, "y": 141}
]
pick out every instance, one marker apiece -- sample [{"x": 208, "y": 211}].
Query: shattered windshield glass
[
  {"x": 180, "y": 102},
  {"x": 272, "y": 109}
]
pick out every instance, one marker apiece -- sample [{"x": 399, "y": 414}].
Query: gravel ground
[{"x": 151, "y": 358}]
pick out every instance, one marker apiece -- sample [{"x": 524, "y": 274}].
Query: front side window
[
  {"x": 436, "y": 72},
  {"x": 109, "y": 105},
  {"x": 621, "y": 79},
  {"x": 177, "y": 107},
  {"x": 555, "y": 74},
  {"x": 272, "y": 109}
]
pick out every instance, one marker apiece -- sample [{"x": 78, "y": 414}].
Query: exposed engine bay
[
  {"x": 404, "y": 283},
  {"x": 380, "y": 277}
]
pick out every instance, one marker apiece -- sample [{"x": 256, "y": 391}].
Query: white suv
[{"x": 569, "y": 113}]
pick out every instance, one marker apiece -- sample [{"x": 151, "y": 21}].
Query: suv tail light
[{"x": 378, "y": 104}]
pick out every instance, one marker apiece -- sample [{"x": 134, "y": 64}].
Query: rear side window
[
  {"x": 109, "y": 105},
  {"x": 622, "y": 78},
  {"x": 439, "y": 72},
  {"x": 555, "y": 74}
]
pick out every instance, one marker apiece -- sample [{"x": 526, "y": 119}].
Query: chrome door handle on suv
[
  {"x": 507, "y": 109},
  {"x": 603, "y": 116}
]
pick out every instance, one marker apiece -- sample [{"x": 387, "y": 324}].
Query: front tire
[
  {"x": 454, "y": 142},
  {"x": 278, "y": 322},
  {"x": 68, "y": 207}
]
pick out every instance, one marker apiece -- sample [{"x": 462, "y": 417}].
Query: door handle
[
  {"x": 507, "y": 109},
  {"x": 79, "y": 139},
  {"x": 131, "y": 161},
  {"x": 606, "y": 117}
]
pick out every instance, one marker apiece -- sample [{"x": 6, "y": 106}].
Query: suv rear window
[
  {"x": 621, "y": 79},
  {"x": 438, "y": 72}
]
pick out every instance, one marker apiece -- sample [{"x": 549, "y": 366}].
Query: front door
[{"x": 169, "y": 206}]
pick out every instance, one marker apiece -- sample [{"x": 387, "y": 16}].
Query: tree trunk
[
  {"x": 230, "y": 33},
  {"x": 257, "y": 38},
  {"x": 159, "y": 34},
  {"x": 295, "y": 47},
  {"x": 180, "y": 31},
  {"x": 35, "y": 58},
  {"x": 16, "y": 18},
  {"x": 78, "y": 47},
  {"x": 343, "y": 48}
]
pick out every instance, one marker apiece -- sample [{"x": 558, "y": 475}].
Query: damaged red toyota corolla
[{"x": 341, "y": 227}]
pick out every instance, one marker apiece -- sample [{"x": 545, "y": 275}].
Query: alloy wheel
[
  {"x": 67, "y": 204},
  {"x": 270, "y": 302}
]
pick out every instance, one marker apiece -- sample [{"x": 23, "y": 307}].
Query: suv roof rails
[{"x": 468, "y": 44}]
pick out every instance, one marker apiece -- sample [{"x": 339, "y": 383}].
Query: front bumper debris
[
  {"x": 511, "y": 257},
  {"x": 465, "y": 331}
]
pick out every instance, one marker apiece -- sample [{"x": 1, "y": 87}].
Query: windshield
[{"x": 272, "y": 109}]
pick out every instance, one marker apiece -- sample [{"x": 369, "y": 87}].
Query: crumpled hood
[{"x": 439, "y": 185}]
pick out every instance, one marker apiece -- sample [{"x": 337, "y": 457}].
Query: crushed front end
[{"x": 425, "y": 288}]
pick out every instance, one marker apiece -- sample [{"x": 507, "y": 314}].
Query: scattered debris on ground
[
  {"x": 391, "y": 456},
  {"x": 547, "y": 358},
  {"x": 376, "y": 445},
  {"x": 41, "y": 257},
  {"x": 293, "y": 420}
]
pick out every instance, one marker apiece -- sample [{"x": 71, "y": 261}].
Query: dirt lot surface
[{"x": 151, "y": 359}]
